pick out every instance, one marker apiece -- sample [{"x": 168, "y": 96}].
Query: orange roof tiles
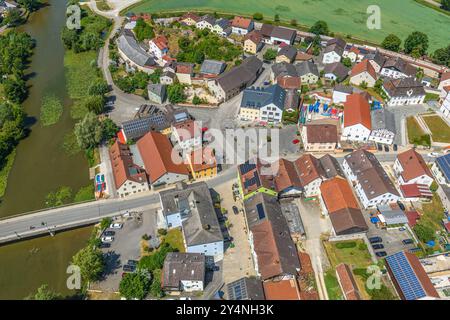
[
  {"x": 202, "y": 159},
  {"x": 156, "y": 152},
  {"x": 364, "y": 66},
  {"x": 337, "y": 195},
  {"x": 308, "y": 168},
  {"x": 347, "y": 282},
  {"x": 254, "y": 36},
  {"x": 161, "y": 42},
  {"x": 123, "y": 167},
  {"x": 357, "y": 111},
  {"x": 281, "y": 290},
  {"x": 413, "y": 165},
  {"x": 241, "y": 22},
  {"x": 287, "y": 175}
]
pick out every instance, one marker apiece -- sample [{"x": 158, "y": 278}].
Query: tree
[
  {"x": 424, "y": 232},
  {"x": 270, "y": 54},
  {"x": 155, "y": 288},
  {"x": 445, "y": 4},
  {"x": 110, "y": 129},
  {"x": 434, "y": 186},
  {"x": 15, "y": 90},
  {"x": 13, "y": 18},
  {"x": 364, "y": 85},
  {"x": 44, "y": 293},
  {"x": 69, "y": 37},
  {"x": 98, "y": 87},
  {"x": 95, "y": 104},
  {"x": 91, "y": 263},
  {"x": 29, "y": 5},
  {"x": 293, "y": 22},
  {"x": 143, "y": 30},
  {"x": 347, "y": 62},
  {"x": 134, "y": 285},
  {"x": 175, "y": 93},
  {"x": 88, "y": 131},
  {"x": 258, "y": 16},
  {"x": 320, "y": 28},
  {"x": 442, "y": 56},
  {"x": 417, "y": 42},
  {"x": 276, "y": 18},
  {"x": 392, "y": 42}
]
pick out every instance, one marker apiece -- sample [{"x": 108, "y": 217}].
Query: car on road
[
  {"x": 402, "y": 229},
  {"x": 381, "y": 254},
  {"x": 407, "y": 241},
  {"x": 109, "y": 233},
  {"x": 128, "y": 268},
  {"x": 105, "y": 245},
  {"x": 375, "y": 239},
  {"x": 377, "y": 246},
  {"x": 116, "y": 225},
  {"x": 433, "y": 154},
  {"x": 266, "y": 83},
  {"x": 132, "y": 263},
  {"x": 107, "y": 239},
  {"x": 235, "y": 210}
]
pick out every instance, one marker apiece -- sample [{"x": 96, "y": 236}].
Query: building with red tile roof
[
  {"x": 129, "y": 178},
  {"x": 189, "y": 19},
  {"x": 347, "y": 282},
  {"x": 282, "y": 290},
  {"x": 357, "y": 121},
  {"x": 310, "y": 173},
  {"x": 363, "y": 72},
  {"x": 413, "y": 217},
  {"x": 159, "y": 46},
  {"x": 319, "y": 137},
  {"x": 415, "y": 192},
  {"x": 162, "y": 163},
  {"x": 203, "y": 163},
  {"x": 241, "y": 25},
  {"x": 411, "y": 168}
]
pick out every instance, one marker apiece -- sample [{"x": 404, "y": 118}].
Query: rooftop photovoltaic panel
[
  {"x": 246, "y": 167},
  {"x": 405, "y": 276},
  {"x": 261, "y": 212},
  {"x": 444, "y": 165},
  {"x": 237, "y": 290}
]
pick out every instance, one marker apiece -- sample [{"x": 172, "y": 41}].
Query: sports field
[{"x": 400, "y": 17}]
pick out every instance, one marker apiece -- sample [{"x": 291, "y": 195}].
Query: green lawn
[
  {"x": 81, "y": 71},
  {"x": 356, "y": 256},
  {"x": 174, "y": 237},
  {"x": 432, "y": 213},
  {"x": 439, "y": 128},
  {"x": 415, "y": 133},
  {"x": 332, "y": 285},
  {"x": 347, "y": 17},
  {"x": 4, "y": 172}
]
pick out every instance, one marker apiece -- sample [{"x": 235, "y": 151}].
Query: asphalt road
[{"x": 18, "y": 227}]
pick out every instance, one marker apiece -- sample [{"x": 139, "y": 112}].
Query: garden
[{"x": 440, "y": 130}]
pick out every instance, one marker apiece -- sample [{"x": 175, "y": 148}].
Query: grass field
[
  {"x": 331, "y": 283},
  {"x": 415, "y": 133},
  {"x": 357, "y": 256},
  {"x": 347, "y": 17},
  {"x": 439, "y": 128}
]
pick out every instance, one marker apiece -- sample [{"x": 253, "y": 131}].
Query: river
[{"x": 41, "y": 166}]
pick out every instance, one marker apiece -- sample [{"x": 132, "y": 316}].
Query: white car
[
  {"x": 116, "y": 225},
  {"x": 126, "y": 214},
  {"x": 433, "y": 154},
  {"x": 107, "y": 239}
]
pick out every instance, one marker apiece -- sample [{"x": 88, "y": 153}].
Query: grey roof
[
  {"x": 383, "y": 119},
  {"x": 377, "y": 57},
  {"x": 292, "y": 215},
  {"x": 241, "y": 75},
  {"x": 128, "y": 44},
  {"x": 262, "y": 207},
  {"x": 168, "y": 74},
  {"x": 331, "y": 167},
  {"x": 337, "y": 45},
  {"x": 183, "y": 267},
  {"x": 393, "y": 216},
  {"x": 208, "y": 18},
  {"x": 307, "y": 67},
  {"x": 266, "y": 30},
  {"x": 343, "y": 88},
  {"x": 403, "y": 87},
  {"x": 289, "y": 51},
  {"x": 223, "y": 23},
  {"x": 212, "y": 67},
  {"x": 158, "y": 89},
  {"x": 283, "y": 33},
  {"x": 338, "y": 69},
  {"x": 370, "y": 174},
  {"x": 284, "y": 69},
  {"x": 292, "y": 99},
  {"x": 257, "y": 98},
  {"x": 194, "y": 202},
  {"x": 245, "y": 289},
  {"x": 154, "y": 119},
  {"x": 401, "y": 65}
]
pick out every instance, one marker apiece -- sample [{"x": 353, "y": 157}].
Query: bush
[
  {"x": 51, "y": 110},
  {"x": 346, "y": 245},
  {"x": 424, "y": 232},
  {"x": 162, "y": 232},
  {"x": 134, "y": 285},
  {"x": 105, "y": 223},
  {"x": 258, "y": 16},
  {"x": 270, "y": 54}
]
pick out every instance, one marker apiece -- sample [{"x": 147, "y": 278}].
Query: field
[
  {"x": 400, "y": 17},
  {"x": 415, "y": 133},
  {"x": 439, "y": 128}
]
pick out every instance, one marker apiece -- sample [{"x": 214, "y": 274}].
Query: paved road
[{"x": 18, "y": 227}]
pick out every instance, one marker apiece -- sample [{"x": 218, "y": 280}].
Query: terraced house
[{"x": 255, "y": 176}]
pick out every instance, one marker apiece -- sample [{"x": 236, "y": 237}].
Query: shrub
[
  {"x": 162, "y": 232},
  {"x": 346, "y": 245}
]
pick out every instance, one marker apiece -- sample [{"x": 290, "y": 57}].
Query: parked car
[
  {"x": 433, "y": 154},
  {"x": 402, "y": 229},
  {"x": 109, "y": 233},
  {"x": 235, "y": 210},
  {"x": 128, "y": 268},
  {"x": 395, "y": 147},
  {"x": 132, "y": 263},
  {"x": 228, "y": 239},
  {"x": 116, "y": 225},
  {"x": 416, "y": 249},
  {"x": 377, "y": 246},
  {"x": 407, "y": 241},
  {"x": 401, "y": 206},
  {"x": 381, "y": 254},
  {"x": 379, "y": 147},
  {"x": 375, "y": 239},
  {"x": 386, "y": 148},
  {"x": 107, "y": 239},
  {"x": 105, "y": 245}
]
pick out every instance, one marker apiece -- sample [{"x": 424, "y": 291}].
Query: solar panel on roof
[
  {"x": 246, "y": 167},
  {"x": 261, "y": 212},
  {"x": 444, "y": 165}
]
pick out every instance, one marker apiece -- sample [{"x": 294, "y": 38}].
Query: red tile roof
[
  {"x": 308, "y": 168},
  {"x": 184, "y": 68},
  {"x": 416, "y": 191},
  {"x": 254, "y": 36},
  {"x": 161, "y": 42},
  {"x": 202, "y": 159},
  {"x": 347, "y": 282},
  {"x": 123, "y": 167},
  {"x": 281, "y": 290},
  {"x": 289, "y": 82},
  {"x": 287, "y": 175},
  {"x": 413, "y": 165},
  {"x": 364, "y": 66},
  {"x": 156, "y": 152},
  {"x": 190, "y": 15},
  {"x": 445, "y": 76},
  {"x": 357, "y": 111},
  {"x": 241, "y": 22},
  {"x": 187, "y": 129},
  {"x": 412, "y": 216},
  {"x": 337, "y": 195}
]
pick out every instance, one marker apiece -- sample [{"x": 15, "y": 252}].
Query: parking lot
[
  {"x": 125, "y": 246},
  {"x": 392, "y": 238}
]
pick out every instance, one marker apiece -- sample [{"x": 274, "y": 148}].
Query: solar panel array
[
  {"x": 252, "y": 181},
  {"x": 138, "y": 127},
  {"x": 444, "y": 165},
  {"x": 246, "y": 167},
  {"x": 237, "y": 290},
  {"x": 261, "y": 212},
  {"x": 405, "y": 276}
]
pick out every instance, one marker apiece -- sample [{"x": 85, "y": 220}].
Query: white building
[
  {"x": 188, "y": 134},
  {"x": 263, "y": 104},
  {"x": 206, "y": 22},
  {"x": 411, "y": 168},
  {"x": 445, "y": 106},
  {"x": 340, "y": 93},
  {"x": 372, "y": 184},
  {"x": 158, "y": 46},
  {"x": 441, "y": 170},
  {"x": 357, "y": 121},
  {"x": 183, "y": 272},
  {"x": 241, "y": 25},
  {"x": 333, "y": 51},
  {"x": 404, "y": 92},
  {"x": 397, "y": 68},
  {"x": 383, "y": 127}
]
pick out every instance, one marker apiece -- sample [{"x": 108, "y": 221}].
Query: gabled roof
[
  {"x": 347, "y": 221},
  {"x": 223, "y": 23},
  {"x": 255, "y": 174},
  {"x": 257, "y": 98},
  {"x": 364, "y": 66},
  {"x": 377, "y": 57},
  {"x": 254, "y": 36},
  {"x": 184, "y": 68},
  {"x": 161, "y": 42},
  {"x": 266, "y": 30},
  {"x": 347, "y": 282},
  {"x": 403, "y": 87},
  {"x": 190, "y": 15},
  {"x": 208, "y": 18},
  {"x": 156, "y": 152},
  {"x": 283, "y": 33},
  {"x": 241, "y": 22},
  {"x": 128, "y": 44},
  {"x": 415, "y": 191},
  {"x": 413, "y": 165},
  {"x": 123, "y": 166},
  {"x": 338, "y": 69},
  {"x": 282, "y": 290},
  {"x": 443, "y": 163},
  {"x": 158, "y": 89},
  {"x": 307, "y": 67},
  {"x": 248, "y": 288},
  {"x": 287, "y": 176},
  {"x": 308, "y": 168},
  {"x": 331, "y": 167},
  {"x": 383, "y": 119},
  {"x": 400, "y": 65},
  {"x": 212, "y": 67},
  {"x": 288, "y": 51},
  {"x": 241, "y": 74},
  {"x": 337, "y": 195},
  {"x": 357, "y": 111},
  {"x": 284, "y": 69},
  {"x": 344, "y": 89},
  {"x": 321, "y": 133},
  {"x": 335, "y": 45},
  {"x": 289, "y": 83},
  {"x": 179, "y": 266}
]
